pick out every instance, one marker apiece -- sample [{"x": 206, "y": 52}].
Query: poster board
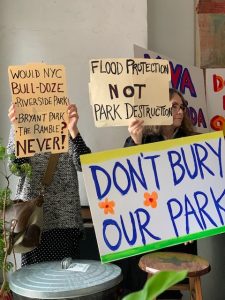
[
  {"x": 148, "y": 197},
  {"x": 189, "y": 80},
  {"x": 215, "y": 97},
  {"x": 39, "y": 96},
  {"x": 122, "y": 89}
]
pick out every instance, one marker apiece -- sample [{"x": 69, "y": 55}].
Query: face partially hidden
[{"x": 178, "y": 110}]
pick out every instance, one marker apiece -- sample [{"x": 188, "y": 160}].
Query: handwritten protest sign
[
  {"x": 123, "y": 89},
  {"x": 215, "y": 97},
  {"x": 151, "y": 196},
  {"x": 39, "y": 94},
  {"x": 189, "y": 80}
]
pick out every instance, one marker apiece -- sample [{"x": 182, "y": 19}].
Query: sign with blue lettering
[{"x": 148, "y": 197}]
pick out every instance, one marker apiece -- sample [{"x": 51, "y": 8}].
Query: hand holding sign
[
  {"x": 73, "y": 119},
  {"x": 135, "y": 129},
  {"x": 11, "y": 113}
]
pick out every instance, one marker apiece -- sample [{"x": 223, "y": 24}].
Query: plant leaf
[
  {"x": 157, "y": 284},
  {"x": 2, "y": 152}
]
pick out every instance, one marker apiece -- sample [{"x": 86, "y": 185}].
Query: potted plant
[
  {"x": 157, "y": 284},
  {"x": 5, "y": 201}
]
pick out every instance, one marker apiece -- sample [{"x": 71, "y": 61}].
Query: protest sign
[
  {"x": 189, "y": 80},
  {"x": 148, "y": 197},
  {"x": 123, "y": 89},
  {"x": 39, "y": 95},
  {"x": 215, "y": 97}
]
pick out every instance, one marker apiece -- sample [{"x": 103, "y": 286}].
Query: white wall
[
  {"x": 70, "y": 32},
  {"x": 171, "y": 31}
]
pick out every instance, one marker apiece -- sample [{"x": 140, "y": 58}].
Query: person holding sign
[
  {"x": 62, "y": 215},
  {"x": 140, "y": 134},
  {"x": 181, "y": 127}
]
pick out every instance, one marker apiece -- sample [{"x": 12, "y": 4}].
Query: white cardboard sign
[{"x": 151, "y": 196}]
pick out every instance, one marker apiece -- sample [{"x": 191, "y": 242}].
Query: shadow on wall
[{"x": 213, "y": 249}]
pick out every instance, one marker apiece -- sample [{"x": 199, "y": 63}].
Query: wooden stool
[{"x": 195, "y": 266}]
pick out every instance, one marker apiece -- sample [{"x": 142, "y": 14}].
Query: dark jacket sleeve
[
  {"x": 79, "y": 147},
  {"x": 129, "y": 142}
]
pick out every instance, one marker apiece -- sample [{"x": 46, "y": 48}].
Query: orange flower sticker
[
  {"x": 108, "y": 206},
  {"x": 151, "y": 199}
]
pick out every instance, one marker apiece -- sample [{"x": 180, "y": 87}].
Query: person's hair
[{"x": 186, "y": 124}]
